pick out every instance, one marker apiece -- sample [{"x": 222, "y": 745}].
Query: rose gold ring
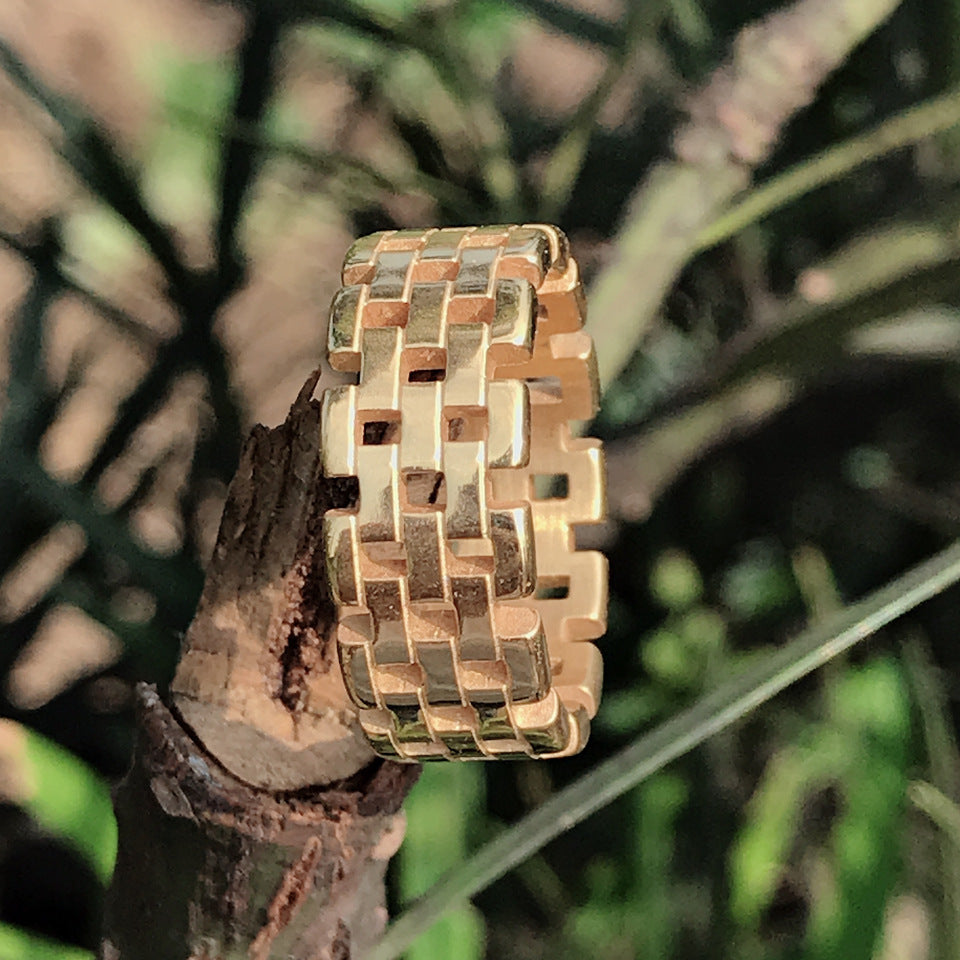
[{"x": 465, "y": 610}]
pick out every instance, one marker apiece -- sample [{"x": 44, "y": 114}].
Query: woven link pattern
[{"x": 463, "y": 605}]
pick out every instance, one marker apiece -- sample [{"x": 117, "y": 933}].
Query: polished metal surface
[{"x": 465, "y": 611}]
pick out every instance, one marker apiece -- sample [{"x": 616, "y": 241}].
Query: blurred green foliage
[
  {"x": 67, "y": 798},
  {"x": 793, "y": 836},
  {"x": 859, "y": 752},
  {"x": 444, "y": 812},
  {"x": 17, "y": 944}
]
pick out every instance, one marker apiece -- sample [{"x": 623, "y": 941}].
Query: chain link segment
[{"x": 465, "y": 611}]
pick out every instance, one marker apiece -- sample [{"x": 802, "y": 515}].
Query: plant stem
[
  {"x": 778, "y": 62},
  {"x": 906, "y": 128}
]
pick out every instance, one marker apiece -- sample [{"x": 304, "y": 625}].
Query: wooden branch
[
  {"x": 255, "y": 821},
  {"x": 212, "y": 869},
  {"x": 258, "y": 681},
  {"x": 734, "y": 121}
]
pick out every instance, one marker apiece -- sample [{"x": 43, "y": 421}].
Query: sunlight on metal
[{"x": 653, "y": 751}]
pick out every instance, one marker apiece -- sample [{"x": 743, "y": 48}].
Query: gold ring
[{"x": 465, "y": 610}]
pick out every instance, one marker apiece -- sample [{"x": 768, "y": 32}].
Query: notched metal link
[{"x": 465, "y": 612}]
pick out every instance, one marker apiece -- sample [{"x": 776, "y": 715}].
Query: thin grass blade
[
  {"x": 933, "y": 704},
  {"x": 939, "y": 808},
  {"x": 19, "y": 944},
  {"x": 908, "y": 127},
  {"x": 653, "y": 751}
]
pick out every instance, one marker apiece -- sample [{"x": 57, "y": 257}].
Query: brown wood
[
  {"x": 256, "y": 821},
  {"x": 210, "y": 868},
  {"x": 258, "y": 680}
]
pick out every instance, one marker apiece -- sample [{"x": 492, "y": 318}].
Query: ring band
[{"x": 464, "y": 609}]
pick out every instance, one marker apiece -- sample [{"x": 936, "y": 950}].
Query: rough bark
[
  {"x": 257, "y": 680},
  {"x": 210, "y": 868},
  {"x": 255, "y": 821}
]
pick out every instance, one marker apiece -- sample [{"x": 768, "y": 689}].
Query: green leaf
[
  {"x": 61, "y": 793},
  {"x": 758, "y": 856},
  {"x": 759, "y": 583},
  {"x": 691, "y": 23},
  {"x": 871, "y": 704},
  {"x": 771, "y": 673},
  {"x": 17, "y": 944},
  {"x": 860, "y": 748},
  {"x": 680, "y": 653},
  {"x": 182, "y": 152},
  {"x": 442, "y": 812},
  {"x": 660, "y": 802},
  {"x": 675, "y": 581},
  {"x": 625, "y": 711}
]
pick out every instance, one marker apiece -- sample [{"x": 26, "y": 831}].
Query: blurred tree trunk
[
  {"x": 255, "y": 822},
  {"x": 734, "y": 121}
]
